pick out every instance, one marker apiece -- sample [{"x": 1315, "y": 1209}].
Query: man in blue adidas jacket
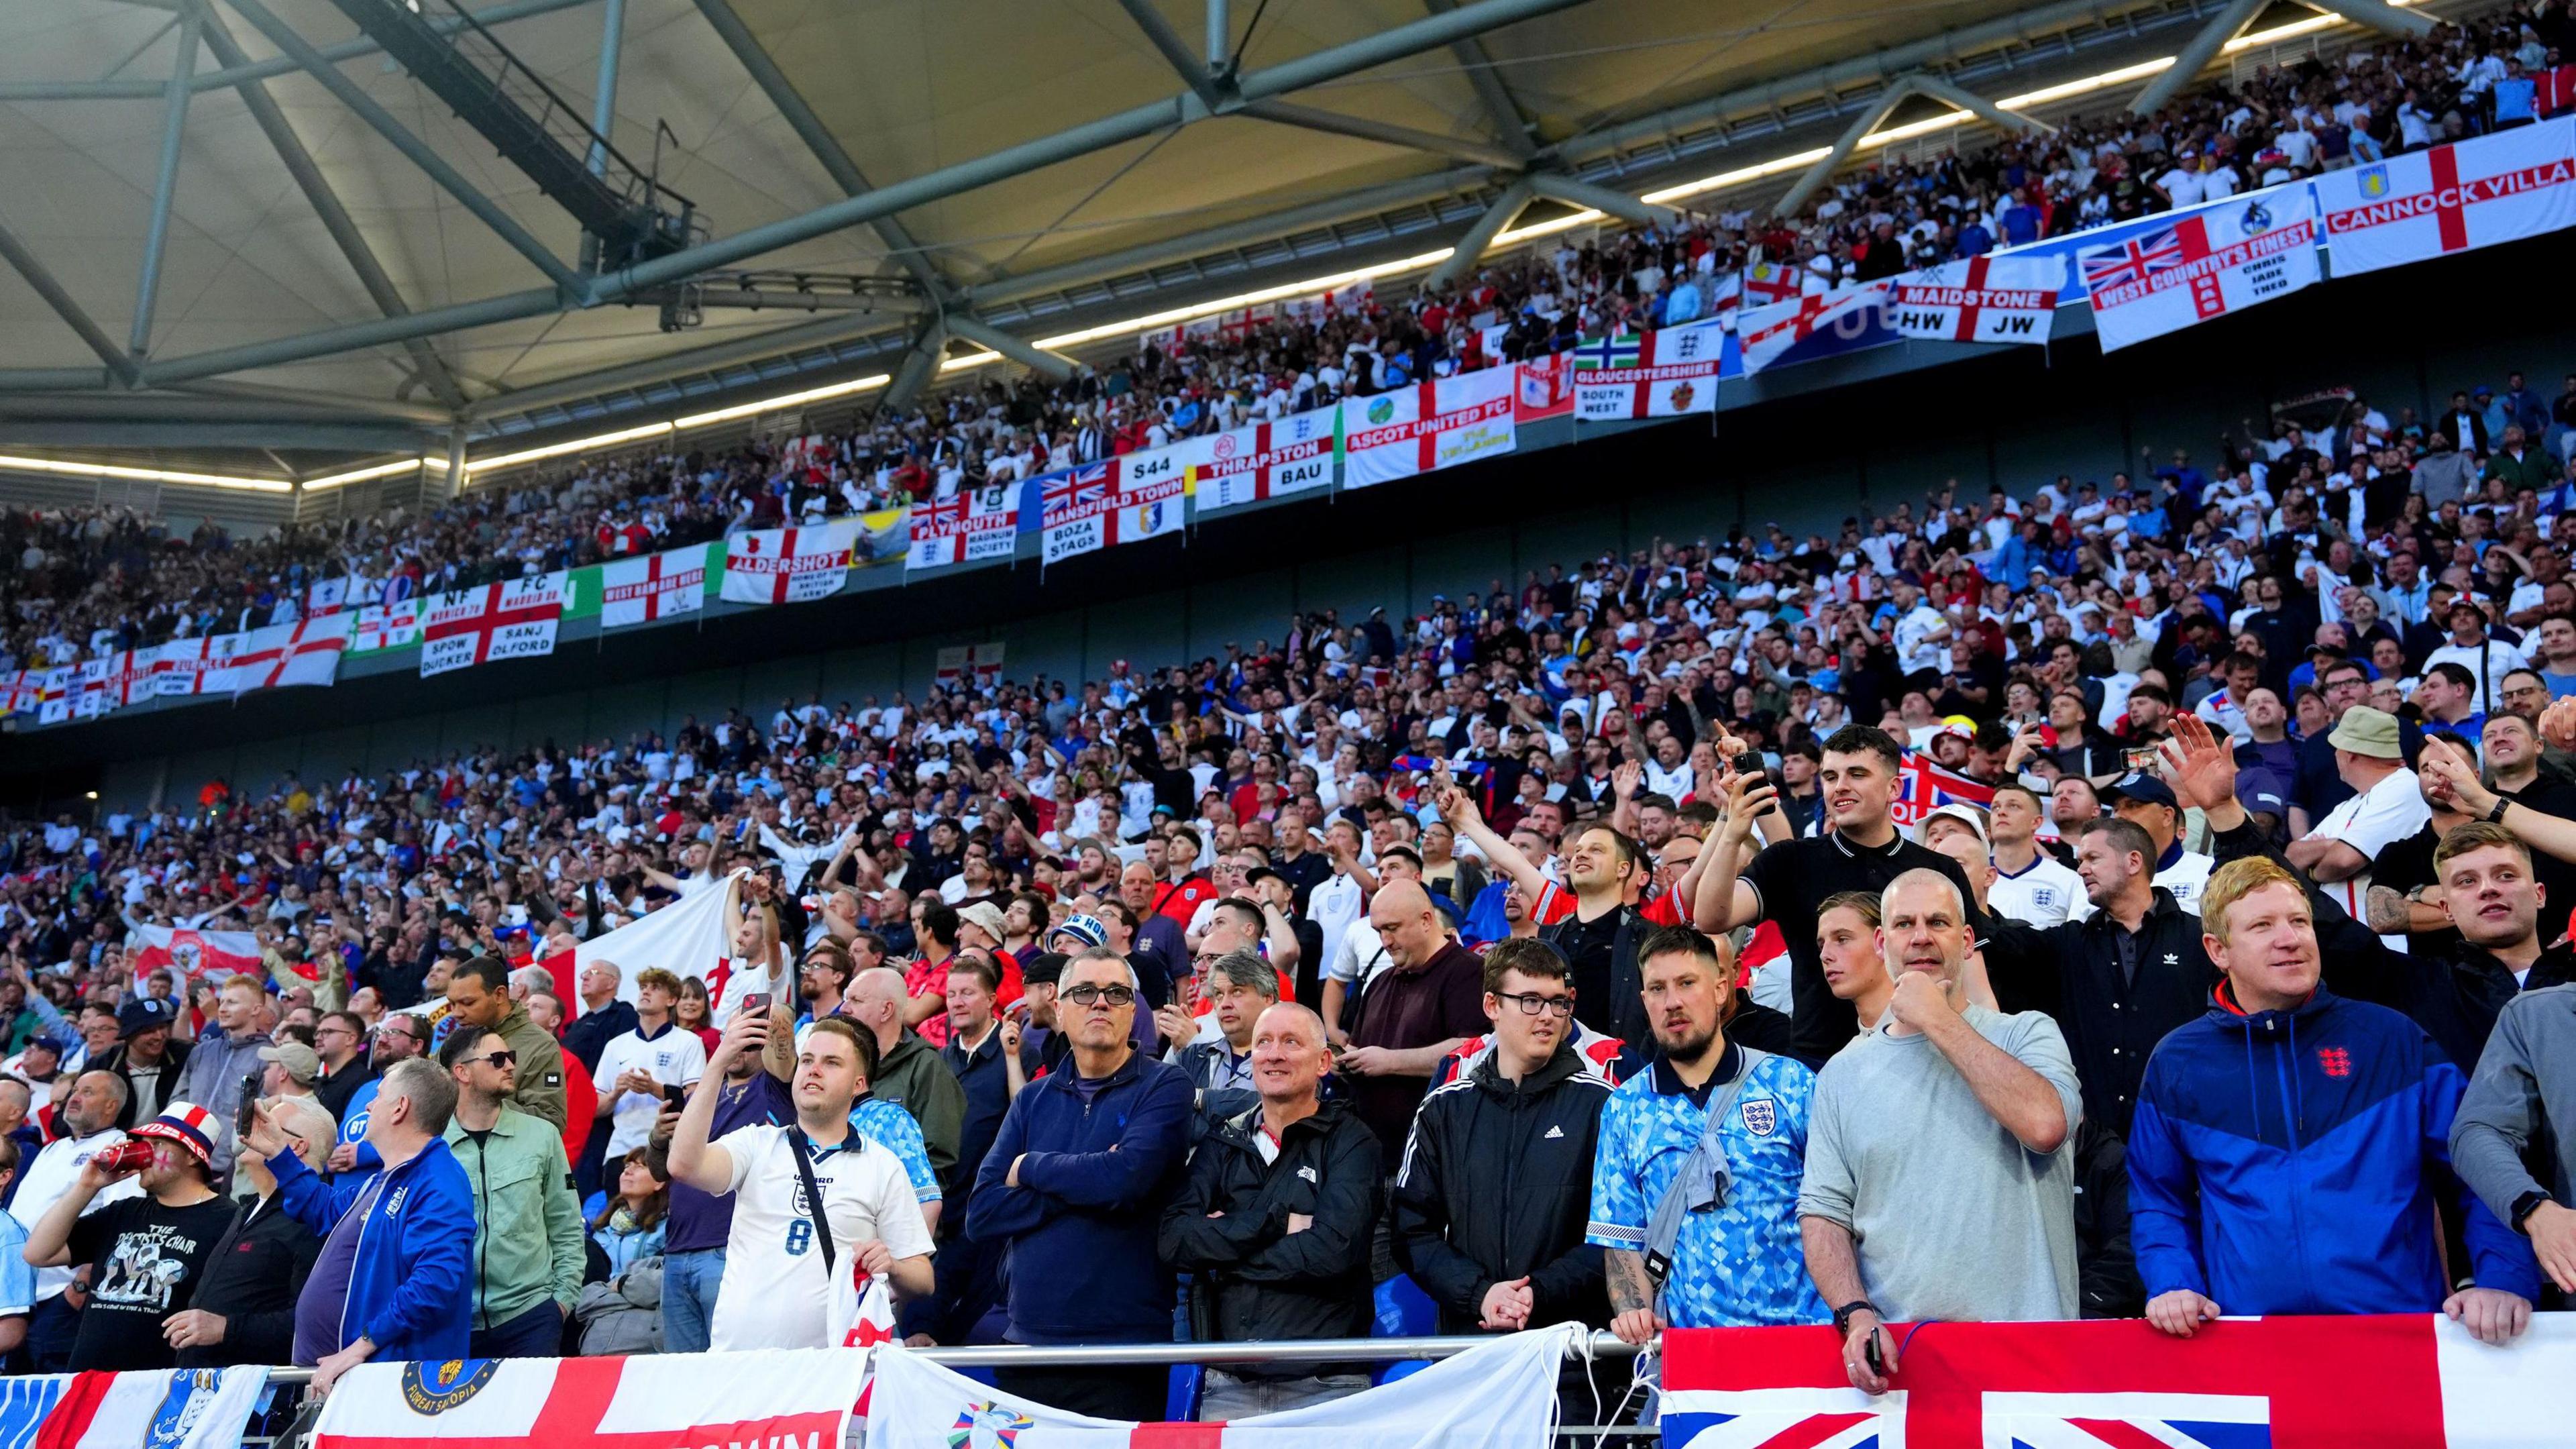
[
  {"x": 392, "y": 1281},
  {"x": 2288, "y": 1146}
]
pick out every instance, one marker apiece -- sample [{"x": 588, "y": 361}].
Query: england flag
[
  {"x": 1150, "y": 501},
  {"x": 1663, "y": 374},
  {"x": 2452, "y": 198},
  {"x": 657, "y": 586},
  {"x": 1983, "y": 299}
]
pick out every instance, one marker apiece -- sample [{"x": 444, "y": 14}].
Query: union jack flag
[
  {"x": 2135, "y": 259},
  {"x": 1923, "y": 787},
  {"x": 1622, "y": 351},
  {"x": 1078, "y": 491}
]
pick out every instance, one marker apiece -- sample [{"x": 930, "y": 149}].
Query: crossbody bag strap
[{"x": 813, "y": 1199}]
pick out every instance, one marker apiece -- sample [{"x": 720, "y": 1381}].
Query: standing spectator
[
  {"x": 634, "y": 1068},
  {"x": 244, "y": 1309},
  {"x": 1241, "y": 986},
  {"x": 2387, "y": 806},
  {"x": 751, "y": 1091},
  {"x": 1422, "y": 1007},
  {"x": 2029, "y": 885},
  {"x": 2485, "y": 657},
  {"x": 1275, "y": 1223},
  {"x": 907, "y": 1071},
  {"x": 604, "y": 1015},
  {"x": 88, "y": 1123},
  {"x": 478, "y": 994},
  {"x": 395, "y": 1275},
  {"x": 2524, "y": 1096},
  {"x": 1945, "y": 1113},
  {"x": 146, "y": 1057},
  {"x": 2278, "y": 1159},
  {"x": 1695, "y": 1180},
  {"x": 527, "y": 1223},
  {"x": 17, "y": 1278},
  {"x": 985, "y": 1054},
  {"x": 398, "y": 1037},
  {"x": 1597, "y": 930},
  {"x": 341, "y": 1039},
  {"x": 1075, "y": 1186},
  {"x": 146, "y": 1253},
  {"x": 221, "y": 1058},
  {"x": 782, "y": 1287},
  {"x": 1497, "y": 1259}
]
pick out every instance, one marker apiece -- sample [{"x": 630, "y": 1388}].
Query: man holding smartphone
[{"x": 635, "y": 1068}]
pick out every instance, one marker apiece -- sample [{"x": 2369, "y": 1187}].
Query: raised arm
[
  {"x": 694, "y": 1160},
  {"x": 1722, "y": 901},
  {"x": 1457, "y": 806}
]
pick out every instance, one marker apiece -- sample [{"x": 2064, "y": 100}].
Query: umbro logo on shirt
[{"x": 1553, "y": 1133}]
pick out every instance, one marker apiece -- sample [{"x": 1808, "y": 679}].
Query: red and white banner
[
  {"x": 98, "y": 685},
  {"x": 2453, "y": 198},
  {"x": 789, "y": 565},
  {"x": 1073, "y": 508},
  {"x": 957, "y": 663},
  {"x": 486, "y": 625},
  {"x": 1772, "y": 329},
  {"x": 2224, "y": 258},
  {"x": 685, "y": 938},
  {"x": 1766, "y": 283},
  {"x": 142, "y": 1409},
  {"x": 1983, "y": 299},
  {"x": 1546, "y": 388},
  {"x": 777, "y": 1399},
  {"x": 1665, "y": 374},
  {"x": 281, "y": 655},
  {"x": 1497, "y": 1395},
  {"x": 2400, "y": 1382},
  {"x": 389, "y": 626},
  {"x": 1266, "y": 460},
  {"x": 1151, "y": 499},
  {"x": 195, "y": 953},
  {"x": 641, "y": 590},
  {"x": 1428, "y": 426},
  {"x": 180, "y": 666},
  {"x": 974, "y": 526}
]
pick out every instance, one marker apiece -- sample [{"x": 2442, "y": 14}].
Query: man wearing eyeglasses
[
  {"x": 1076, "y": 1184},
  {"x": 527, "y": 1264},
  {"x": 401, "y": 1036}
]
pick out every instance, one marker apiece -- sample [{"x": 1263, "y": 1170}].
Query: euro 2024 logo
[{"x": 982, "y": 1425}]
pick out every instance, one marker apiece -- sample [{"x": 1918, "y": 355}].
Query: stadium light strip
[{"x": 1420, "y": 261}]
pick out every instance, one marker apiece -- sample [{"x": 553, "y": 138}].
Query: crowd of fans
[
  {"x": 91, "y": 582},
  {"x": 1558, "y": 952}
]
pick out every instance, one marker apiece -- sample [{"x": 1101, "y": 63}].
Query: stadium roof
[{"x": 1042, "y": 164}]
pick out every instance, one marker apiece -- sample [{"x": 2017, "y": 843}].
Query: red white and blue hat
[{"x": 189, "y": 1125}]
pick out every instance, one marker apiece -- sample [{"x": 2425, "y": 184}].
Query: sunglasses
[
  {"x": 1097, "y": 995},
  {"x": 503, "y": 1058}
]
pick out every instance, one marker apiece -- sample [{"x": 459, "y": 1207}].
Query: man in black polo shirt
[{"x": 1788, "y": 882}]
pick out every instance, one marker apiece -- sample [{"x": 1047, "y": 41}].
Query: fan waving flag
[
  {"x": 1923, "y": 787},
  {"x": 1072, "y": 510},
  {"x": 1983, "y": 299},
  {"x": 789, "y": 565},
  {"x": 2453, "y": 198},
  {"x": 1663, "y": 374},
  {"x": 641, "y": 590},
  {"x": 1770, "y": 331},
  {"x": 153, "y": 1409},
  {"x": 1428, "y": 426},
  {"x": 1497, "y": 1395},
  {"x": 2403, "y": 1382},
  {"x": 775, "y": 1398},
  {"x": 686, "y": 938},
  {"x": 2225, "y": 258},
  {"x": 490, "y": 623}
]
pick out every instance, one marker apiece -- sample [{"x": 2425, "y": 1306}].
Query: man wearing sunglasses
[
  {"x": 1088, "y": 1157},
  {"x": 527, "y": 1264}
]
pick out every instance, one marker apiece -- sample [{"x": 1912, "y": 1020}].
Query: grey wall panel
[
  {"x": 705, "y": 694},
  {"x": 2033, "y": 452},
  {"x": 327, "y": 755},
  {"x": 399, "y": 744},
  {"x": 620, "y": 711},
  {"x": 1808, "y": 496},
  {"x": 766, "y": 683},
  {"x": 1458, "y": 564},
  {"x": 1148, "y": 632},
  {"x": 861, "y": 671},
  {"x": 1240, "y": 611}
]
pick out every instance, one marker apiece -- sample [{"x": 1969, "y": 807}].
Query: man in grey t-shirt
[{"x": 1940, "y": 1176}]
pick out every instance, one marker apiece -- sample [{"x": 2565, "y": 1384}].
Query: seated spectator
[
  {"x": 395, "y": 1274},
  {"x": 794, "y": 1254},
  {"x": 147, "y": 1253},
  {"x": 527, "y": 1224},
  {"x": 244, "y": 1309},
  {"x": 1275, "y": 1221},
  {"x": 2286, "y": 1104},
  {"x": 1076, "y": 1185},
  {"x": 1945, "y": 1110}
]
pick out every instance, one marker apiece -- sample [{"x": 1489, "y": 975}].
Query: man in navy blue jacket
[
  {"x": 1075, "y": 1186},
  {"x": 391, "y": 1281},
  {"x": 2288, "y": 1147}
]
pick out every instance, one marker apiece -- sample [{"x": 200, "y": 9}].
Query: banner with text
[
  {"x": 1664, "y": 374},
  {"x": 2213, "y": 262},
  {"x": 2453, "y": 198},
  {"x": 789, "y": 565},
  {"x": 1983, "y": 299},
  {"x": 640, "y": 590},
  {"x": 1074, "y": 508},
  {"x": 490, "y": 623},
  {"x": 1428, "y": 426},
  {"x": 974, "y": 526},
  {"x": 1265, "y": 460}
]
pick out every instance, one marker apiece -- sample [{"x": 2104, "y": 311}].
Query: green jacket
[
  {"x": 527, "y": 1220},
  {"x": 541, "y": 1072},
  {"x": 915, "y": 1076}
]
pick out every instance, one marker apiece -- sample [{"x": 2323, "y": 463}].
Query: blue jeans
[{"x": 689, "y": 1283}]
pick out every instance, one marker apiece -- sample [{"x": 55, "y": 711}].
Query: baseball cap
[
  {"x": 142, "y": 1014},
  {"x": 1967, "y": 815},
  {"x": 1085, "y": 929},
  {"x": 2138, "y": 785},
  {"x": 189, "y": 1125},
  {"x": 301, "y": 1061},
  {"x": 1044, "y": 969},
  {"x": 2367, "y": 731}
]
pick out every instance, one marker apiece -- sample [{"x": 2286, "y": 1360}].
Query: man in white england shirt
[
  {"x": 2487, "y": 660},
  {"x": 779, "y": 1284},
  {"x": 634, "y": 1068},
  {"x": 1920, "y": 634},
  {"x": 2029, "y": 885}
]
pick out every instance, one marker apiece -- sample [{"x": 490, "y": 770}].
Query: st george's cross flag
[
  {"x": 2395, "y": 1382},
  {"x": 1664, "y": 374},
  {"x": 657, "y": 586},
  {"x": 491, "y": 622},
  {"x": 141, "y": 1409},
  {"x": 196, "y": 953},
  {"x": 2453, "y": 198},
  {"x": 1427, "y": 426},
  {"x": 777, "y": 1399},
  {"x": 1769, "y": 331},
  {"x": 386, "y": 626},
  {"x": 686, "y": 937},
  {"x": 2209, "y": 263},
  {"x": 1264, "y": 460},
  {"x": 789, "y": 565},
  {"x": 1983, "y": 299},
  {"x": 1497, "y": 1395},
  {"x": 280, "y": 656}
]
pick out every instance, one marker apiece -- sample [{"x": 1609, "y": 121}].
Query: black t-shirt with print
[{"x": 145, "y": 1263}]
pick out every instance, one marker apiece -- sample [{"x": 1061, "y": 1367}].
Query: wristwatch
[
  {"x": 2527, "y": 1204},
  {"x": 2496, "y": 815},
  {"x": 1843, "y": 1315}
]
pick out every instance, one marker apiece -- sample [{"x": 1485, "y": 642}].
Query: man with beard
[
  {"x": 1695, "y": 1179},
  {"x": 399, "y": 1037}
]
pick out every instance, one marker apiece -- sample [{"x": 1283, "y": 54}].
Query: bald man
[
  {"x": 910, "y": 1073},
  {"x": 1426, "y": 1002}
]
